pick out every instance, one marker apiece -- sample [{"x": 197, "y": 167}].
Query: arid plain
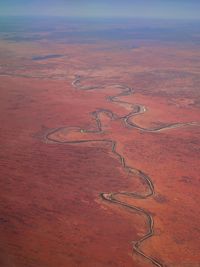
[{"x": 99, "y": 149}]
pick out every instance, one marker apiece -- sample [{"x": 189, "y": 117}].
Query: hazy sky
[{"x": 104, "y": 8}]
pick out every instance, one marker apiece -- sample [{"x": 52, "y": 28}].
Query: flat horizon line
[{"x": 97, "y": 18}]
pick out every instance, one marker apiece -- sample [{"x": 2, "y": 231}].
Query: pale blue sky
[{"x": 176, "y": 9}]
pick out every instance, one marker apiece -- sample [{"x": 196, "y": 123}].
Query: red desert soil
[{"x": 52, "y": 213}]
